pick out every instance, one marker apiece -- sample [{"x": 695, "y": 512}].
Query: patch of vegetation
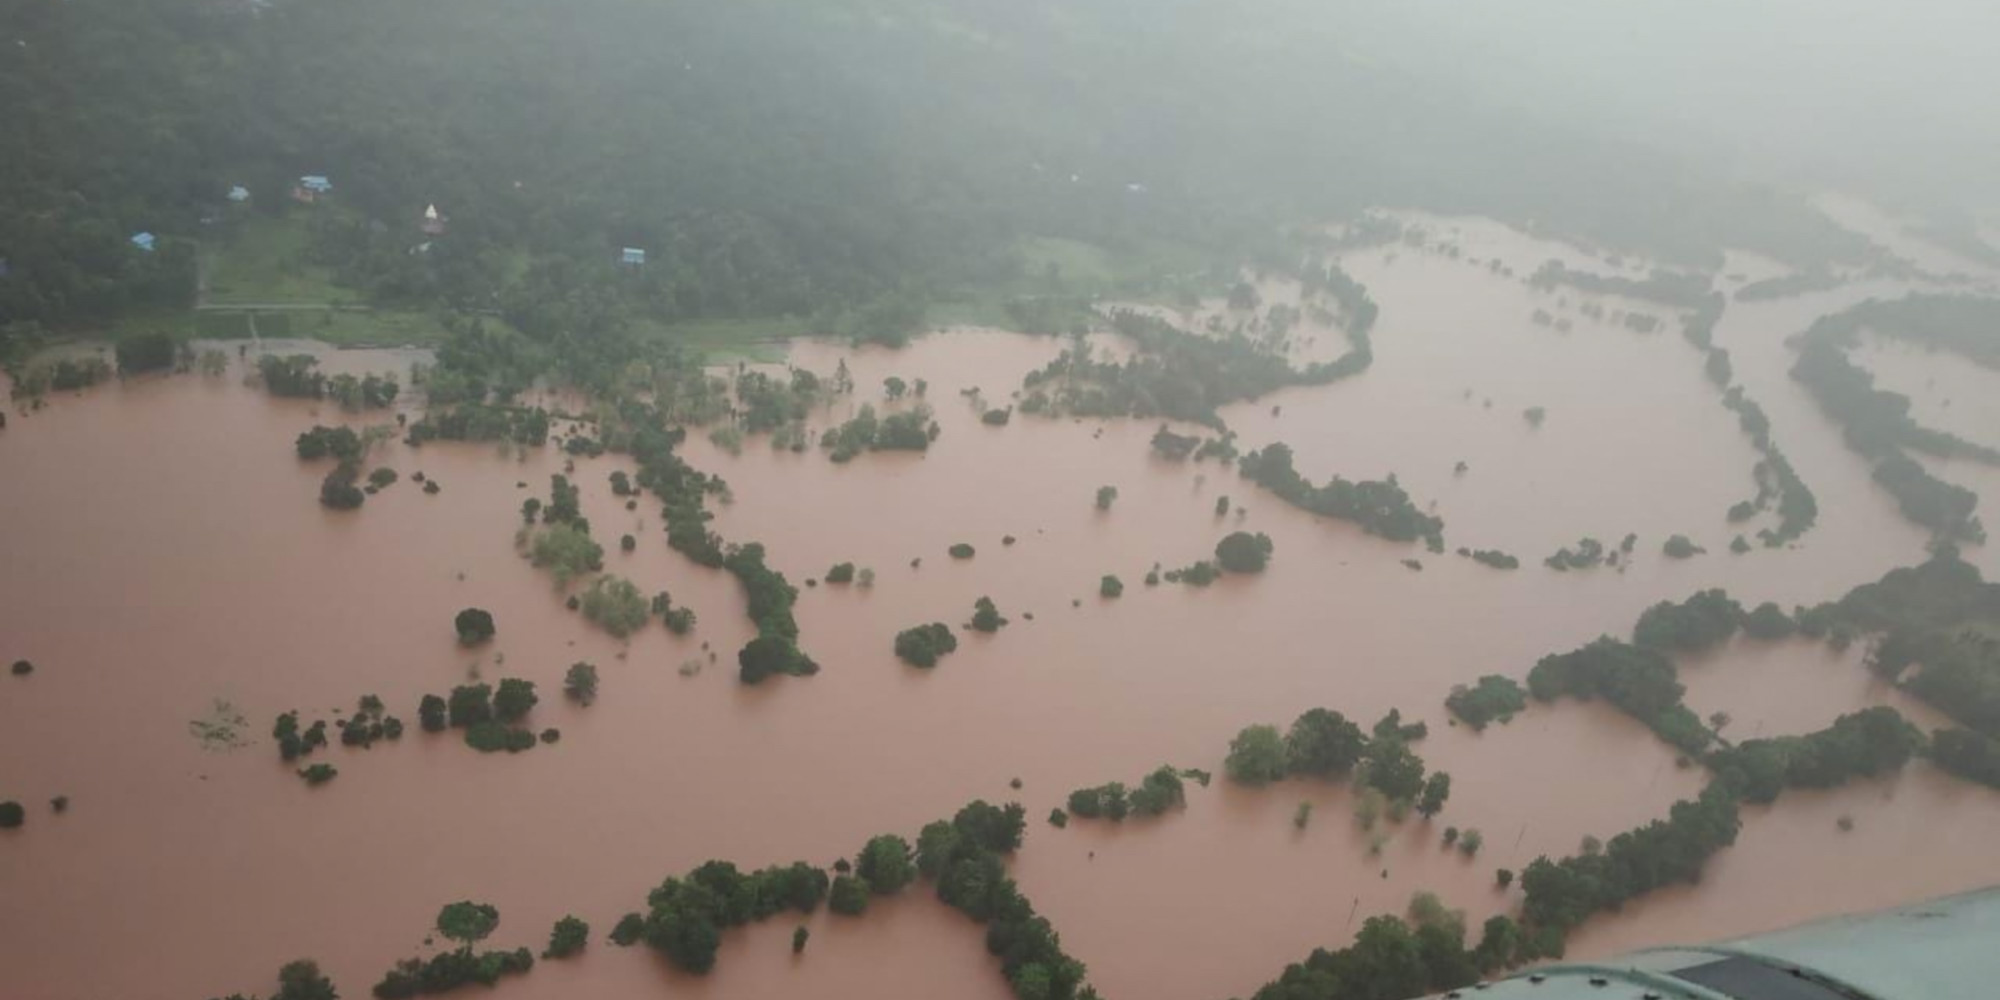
[
  {"x": 686, "y": 915},
  {"x": 1175, "y": 374},
  {"x": 1492, "y": 697},
  {"x": 615, "y": 605},
  {"x": 986, "y": 616},
  {"x": 1701, "y": 622},
  {"x": 1679, "y": 547},
  {"x": 1242, "y": 552},
  {"x": 1380, "y": 508},
  {"x": 1157, "y": 792},
  {"x": 569, "y": 937},
  {"x": 1638, "y": 680},
  {"x": 1861, "y": 744},
  {"x": 580, "y": 683},
  {"x": 474, "y": 626},
  {"x": 924, "y": 645},
  {"x": 1588, "y": 554},
  {"x": 909, "y": 430}
]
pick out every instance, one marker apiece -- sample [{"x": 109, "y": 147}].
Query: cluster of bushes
[
  {"x": 986, "y": 616},
  {"x": 768, "y": 403},
  {"x": 686, "y": 915},
  {"x": 679, "y": 620},
  {"x": 1877, "y": 423},
  {"x": 1927, "y": 616},
  {"x": 1560, "y": 894},
  {"x": 1322, "y": 743},
  {"x": 1860, "y": 744},
  {"x": 1157, "y": 792},
  {"x": 1380, "y": 508},
  {"x": 490, "y": 718},
  {"x": 1242, "y": 552},
  {"x": 61, "y": 375},
  {"x": 685, "y": 491},
  {"x": 295, "y": 376},
  {"x": 580, "y": 683},
  {"x": 964, "y": 857},
  {"x": 1788, "y": 285},
  {"x": 1684, "y": 290},
  {"x": 1589, "y": 553},
  {"x": 924, "y": 645},
  {"x": 146, "y": 352},
  {"x": 910, "y": 430},
  {"x": 1798, "y": 509},
  {"x": 568, "y": 937},
  {"x": 298, "y": 980},
  {"x": 1198, "y": 574},
  {"x": 475, "y": 421},
  {"x": 1491, "y": 697},
  {"x": 293, "y": 742},
  {"x": 615, "y": 605},
  {"x": 474, "y": 626},
  {"x": 1970, "y": 755},
  {"x": 775, "y": 650},
  {"x": 1391, "y": 959},
  {"x": 1640, "y": 681},
  {"x": 466, "y": 923},
  {"x": 1172, "y": 374},
  {"x": 1679, "y": 547},
  {"x": 885, "y": 866},
  {"x": 1957, "y": 671},
  {"x": 337, "y": 490},
  {"x": 369, "y": 724},
  {"x": 567, "y": 551},
  {"x": 1702, "y": 621},
  {"x": 1945, "y": 508},
  {"x": 1491, "y": 557}
]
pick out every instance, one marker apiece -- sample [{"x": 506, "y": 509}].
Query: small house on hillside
[
  {"x": 239, "y": 194},
  {"x": 144, "y": 241},
  {"x": 433, "y": 222},
  {"x": 632, "y": 256},
  {"x": 311, "y": 188}
]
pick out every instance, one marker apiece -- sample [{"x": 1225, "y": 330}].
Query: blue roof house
[
  {"x": 311, "y": 187},
  {"x": 143, "y": 241},
  {"x": 632, "y": 255},
  {"x": 239, "y": 194}
]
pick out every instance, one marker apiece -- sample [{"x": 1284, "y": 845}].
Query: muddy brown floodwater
[{"x": 163, "y": 549}]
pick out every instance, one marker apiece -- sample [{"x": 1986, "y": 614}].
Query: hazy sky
[{"x": 1903, "y": 95}]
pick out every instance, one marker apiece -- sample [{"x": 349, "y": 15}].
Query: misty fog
[{"x": 1049, "y": 499}]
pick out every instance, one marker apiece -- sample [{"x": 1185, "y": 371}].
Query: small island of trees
[
  {"x": 986, "y": 616},
  {"x": 924, "y": 645},
  {"x": 1492, "y": 697},
  {"x": 1380, "y": 508},
  {"x": 1242, "y": 552},
  {"x": 474, "y": 626},
  {"x": 1158, "y": 792}
]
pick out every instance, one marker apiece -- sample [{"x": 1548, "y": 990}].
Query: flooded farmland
[{"x": 167, "y": 557}]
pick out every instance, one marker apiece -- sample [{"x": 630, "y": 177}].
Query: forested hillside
[{"x": 773, "y": 157}]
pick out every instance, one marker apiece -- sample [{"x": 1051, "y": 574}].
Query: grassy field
[
  {"x": 265, "y": 262},
  {"x": 724, "y": 340},
  {"x": 342, "y": 328}
]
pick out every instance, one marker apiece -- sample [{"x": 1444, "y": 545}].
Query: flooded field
[{"x": 166, "y": 551}]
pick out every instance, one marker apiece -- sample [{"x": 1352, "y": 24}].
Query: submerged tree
[{"x": 474, "y": 626}]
